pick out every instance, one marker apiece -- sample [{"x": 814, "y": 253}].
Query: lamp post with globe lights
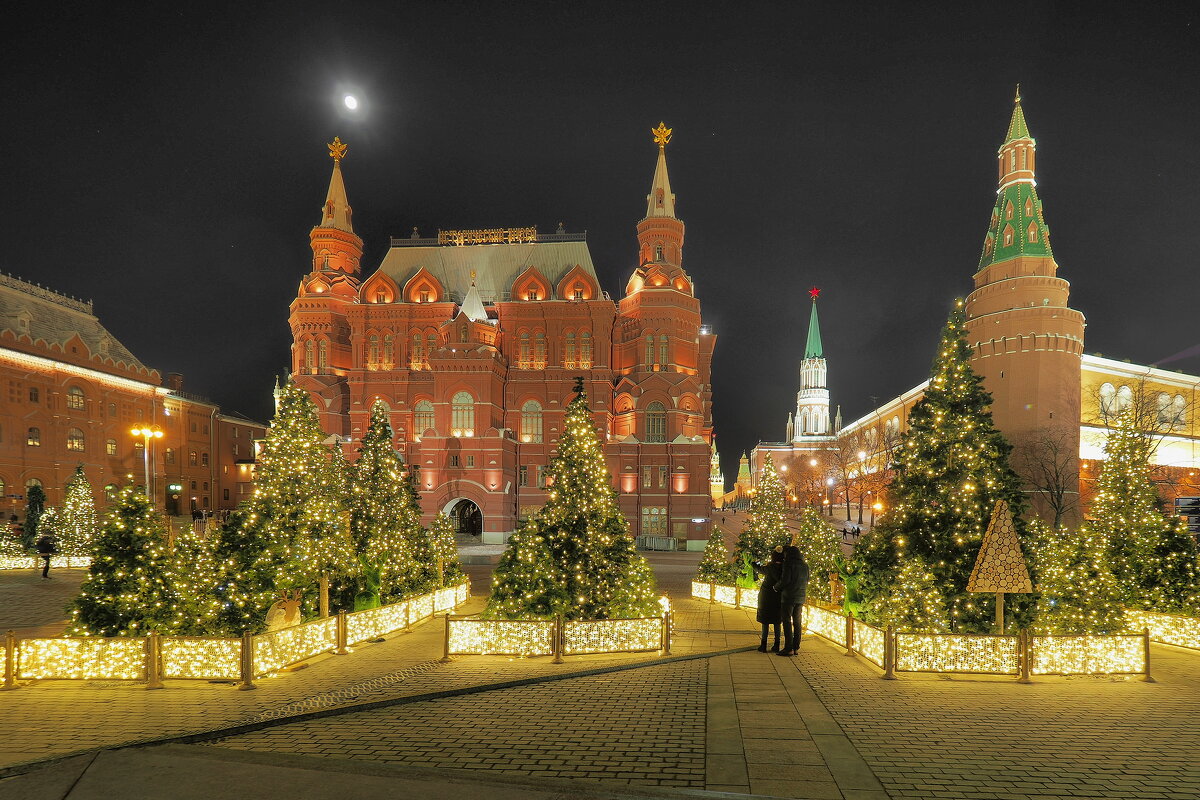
[{"x": 147, "y": 432}]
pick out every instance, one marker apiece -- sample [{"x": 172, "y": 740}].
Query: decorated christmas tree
[
  {"x": 127, "y": 591},
  {"x": 77, "y": 519},
  {"x": 821, "y": 545},
  {"x": 575, "y": 556},
  {"x": 951, "y": 467},
  {"x": 766, "y": 529},
  {"x": 1077, "y": 592},
  {"x": 191, "y": 576},
  {"x": 294, "y": 530},
  {"x": 1152, "y": 557},
  {"x": 383, "y": 521},
  {"x": 911, "y": 601},
  {"x": 714, "y": 566},
  {"x": 444, "y": 550}
]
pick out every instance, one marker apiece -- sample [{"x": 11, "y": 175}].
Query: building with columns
[
  {"x": 1028, "y": 347},
  {"x": 473, "y": 340}
]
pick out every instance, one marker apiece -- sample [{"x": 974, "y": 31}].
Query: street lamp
[
  {"x": 877, "y": 508},
  {"x": 147, "y": 433},
  {"x": 829, "y": 494}
]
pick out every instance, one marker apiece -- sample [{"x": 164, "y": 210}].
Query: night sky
[{"x": 168, "y": 164}]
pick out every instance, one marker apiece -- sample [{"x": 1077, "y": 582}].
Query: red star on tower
[{"x": 814, "y": 293}]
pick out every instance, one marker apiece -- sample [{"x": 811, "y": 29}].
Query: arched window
[
  {"x": 1178, "y": 411},
  {"x": 569, "y": 356},
  {"x": 418, "y": 351},
  {"x": 110, "y": 447},
  {"x": 664, "y": 350},
  {"x": 169, "y": 454},
  {"x": 1108, "y": 395},
  {"x": 75, "y": 398},
  {"x": 373, "y": 351},
  {"x": 34, "y": 437},
  {"x": 524, "y": 354},
  {"x": 539, "y": 350},
  {"x": 112, "y": 410},
  {"x": 389, "y": 352},
  {"x": 462, "y": 334},
  {"x": 585, "y": 350},
  {"x": 1164, "y": 407},
  {"x": 309, "y": 362},
  {"x": 649, "y": 350},
  {"x": 656, "y": 422},
  {"x": 323, "y": 355},
  {"x": 1124, "y": 399},
  {"x": 1008, "y": 235},
  {"x": 531, "y": 421},
  {"x": 75, "y": 439},
  {"x": 431, "y": 344},
  {"x": 422, "y": 417},
  {"x": 32, "y": 482},
  {"x": 193, "y": 459},
  {"x": 462, "y": 414},
  {"x": 1031, "y": 234}
]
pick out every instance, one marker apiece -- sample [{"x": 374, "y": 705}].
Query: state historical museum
[{"x": 474, "y": 339}]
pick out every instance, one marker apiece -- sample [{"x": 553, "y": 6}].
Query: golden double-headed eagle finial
[
  {"x": 662, "y": 134},
  {"x": 337, "y": 150}
]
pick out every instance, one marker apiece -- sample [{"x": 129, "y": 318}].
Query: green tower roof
[
  {"x": 813, "y": 349},
  {"x": 1017, "y": 129}
]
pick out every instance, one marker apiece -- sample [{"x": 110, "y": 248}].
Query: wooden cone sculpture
[{"x": 1000, "y": 566}]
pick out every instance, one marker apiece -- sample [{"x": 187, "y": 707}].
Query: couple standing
[{"x": 781, "y": 597}]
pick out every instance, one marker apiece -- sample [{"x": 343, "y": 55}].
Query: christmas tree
[
  {"x": 911, "y": 601},
  {"x": 384, "y": 522},
  {"x": 575, "y": 556},
  {"x": 951, "y": 468},
  {"x": 1153, "y": 557},
  {"x": 127, "y": 591},
  {"x": 821, "y": 545},
  {"x": 766, "y": 529},
  {"x": 294, "y": 531},
  {"x": 714, "y": 566},
  {"x": 191, "y": 576},
  {"x": 35, "y": 503},
  {"x": 444, "y": 550},
  {"x": 77, "y": 518},
  {"x": 1077, "y": 592}
]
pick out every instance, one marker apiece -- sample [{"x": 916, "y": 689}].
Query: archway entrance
[{"x": 467, "y": 519}]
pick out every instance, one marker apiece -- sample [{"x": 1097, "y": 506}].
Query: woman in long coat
[
  {"x": 768, "y": 598},
  {"x": 792, "y": 587}
]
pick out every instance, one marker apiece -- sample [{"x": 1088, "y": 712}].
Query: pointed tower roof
[
  {"x": 1017, "y": 227},
  {"x": 661, "y": 201},
  {"x": 813, "y": 348},
  {"x": 336, "y": 212},
  {"x": 472, "y": 304}
]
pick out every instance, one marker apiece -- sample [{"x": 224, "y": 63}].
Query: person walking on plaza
[
  {"x": 792, "y": 586},
  {"x": 768, "y": 613},
  {"x": 45, "y": 549}
]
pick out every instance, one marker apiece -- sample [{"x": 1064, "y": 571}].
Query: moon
[{"x": 351, "y": 101}]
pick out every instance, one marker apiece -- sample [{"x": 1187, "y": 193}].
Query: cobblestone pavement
[{"x": 34, "y": 607}]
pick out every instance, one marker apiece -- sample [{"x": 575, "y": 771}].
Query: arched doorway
[{"x": 467, "y": 519}]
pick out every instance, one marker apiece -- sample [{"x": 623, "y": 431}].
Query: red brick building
[
  {"x": 70, "y": 394},
  {"x": 473, "y": 340}
]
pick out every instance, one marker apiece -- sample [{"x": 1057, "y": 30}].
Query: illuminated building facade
[
  {"x": 473, "y": 339},
  {"x": 72, "y": 394}
]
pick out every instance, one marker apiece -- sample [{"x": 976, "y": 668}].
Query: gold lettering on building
[{"x": 489, "y": 236}]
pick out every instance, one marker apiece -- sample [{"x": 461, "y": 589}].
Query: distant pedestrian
[
  {"x": 768, "y": 614},
  {"x": 792, "y": 586},
  {"x": 45, "y": 547}
]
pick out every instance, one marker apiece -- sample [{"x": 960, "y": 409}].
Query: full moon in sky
[{"x": 351, "y": 102}]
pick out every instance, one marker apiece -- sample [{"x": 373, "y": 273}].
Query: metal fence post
[
  {"x": 10, "y": 661},
  {"x": 445, "y": 659},
  {"x": 558, "y": 641},
  {"x": 247, "y": 677},
  {"x": 154, "y": 661},
  {"x": 666, "y": 633},
  {"x": 712, "y": 593},
  {"x": 737, "y": 596},
  {"x": 407, "y": 616},
  {"x": 1024, "y": 644},
  {"x": 850, "y": 634},
  {"x": 1146, "y": 651},
  {"x": 889, "y": 653},
  {"x": 340, "y": 634}
]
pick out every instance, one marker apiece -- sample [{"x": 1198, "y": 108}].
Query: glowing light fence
[
  {"x": 555, "y": 637},
  {"x": 36, "y": 562},
  {"x": 1172, "y": 629},
  {"x": 1020, "y": 656},
  {"x": 153, "y": 658}
]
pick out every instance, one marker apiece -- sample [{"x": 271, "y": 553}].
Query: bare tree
[{"x": 1047, "y": 458}]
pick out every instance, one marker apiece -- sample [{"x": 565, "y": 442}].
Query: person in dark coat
[
  {"x": 45, "y": 548},
  {"x": 792, "y": 586},
  {"x": 768, "y": 598}
]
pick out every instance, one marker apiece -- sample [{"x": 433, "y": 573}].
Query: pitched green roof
[
  {"x": 813, "y": 349},
  {"x": 1009, "y": 233},
  {"x": 1017, "y": 129}
]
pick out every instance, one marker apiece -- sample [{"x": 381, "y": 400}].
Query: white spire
[
  {"x": 472, "y": 305},
  {"x": 661, "y": 201}
]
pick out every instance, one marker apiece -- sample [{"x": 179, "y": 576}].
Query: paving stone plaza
[{"x": 714, "y": 717}]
